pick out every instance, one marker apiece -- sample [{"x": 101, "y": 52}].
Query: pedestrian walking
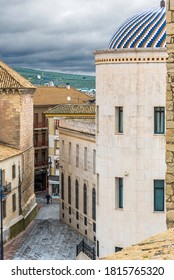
[{"x": 48, "y": 197}]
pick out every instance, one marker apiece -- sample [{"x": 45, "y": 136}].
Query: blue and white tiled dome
[{"x": 143, "y": 30}]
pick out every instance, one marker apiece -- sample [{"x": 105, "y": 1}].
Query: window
[
  {"x": 4, "y": 208},
  {"x": 36, "y": 159},
  {"x": 85, "y": 199},
  {"x": 93, "y": 204},
  {"x": 69, "y": 152},
  {"x": 159, "y": 120},
  {"x": 85, "y": 158},
  {"x": 77, "y": 155},
  {"x": 35, "y": 140},
  {"x": 69, "y": 210},
  {"x": 77, "y": 215},
  {"x": 44, "y": 158},
  {"x": 63, "y": 149},
  {"x": 94, "y": 227},
  {"x": 158, "y": 195},
  {"x": 69, "y": 189},
  {"x": 97, "y": 118},
  {"x": 35, "y": 119},
  {"x": 119, "y": 119},
  {"x": 85, "y": 221},
  {"x": 77, "y": 194},
  {"x": 118, "y": 193},
  {"x": 97, "y": 248},
  {"x": 14, "y": 202},
  {"x": 13, "y": 171},
  {"x": 118, "y": 249},
  {"x": 98, "y": 189},
  {"x": 94, "y": 161},
  {"x": 62, "y": 186},
  {"x": 44, "y": 139}
]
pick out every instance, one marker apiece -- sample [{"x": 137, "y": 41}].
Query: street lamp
[{"x": 2, "y": 196}]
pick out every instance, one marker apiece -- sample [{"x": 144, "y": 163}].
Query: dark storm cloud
[{"x": 61, "y": 35}]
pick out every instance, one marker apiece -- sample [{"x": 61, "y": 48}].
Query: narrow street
[{"x": 46, "y": 238}]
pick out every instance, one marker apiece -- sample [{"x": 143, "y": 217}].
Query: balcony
[
  {"x": 41, "y": 164},
  {"x": 41, "y": 144},
  {"x": 40, "y": 125},
  {"x": 7, "y": 188}
]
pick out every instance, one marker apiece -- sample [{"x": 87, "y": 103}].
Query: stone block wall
[
  {"x": 10, "y": 118},
  {"x": 170, "y": 116},
  {"x": 26, "y": 120}
]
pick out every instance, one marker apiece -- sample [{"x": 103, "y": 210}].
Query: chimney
[
  {"x": 67, "y": 85},
  {"x": 162, "y": 4}
]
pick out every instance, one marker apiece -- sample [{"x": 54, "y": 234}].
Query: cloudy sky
[{"x": 61, "y": 35}]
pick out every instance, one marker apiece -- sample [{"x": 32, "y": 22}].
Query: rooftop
[
  {"x": 72, "y": 109},
  {"x": 143, "y": 30},
  {"x": 50, "y": 95},
  {"x": 7, "y": 152},
  {"x": 10, "y": 79},
  {"x": 157, "y": 247}
]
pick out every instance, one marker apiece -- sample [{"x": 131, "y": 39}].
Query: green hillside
[{"x": 38, "y": 77}]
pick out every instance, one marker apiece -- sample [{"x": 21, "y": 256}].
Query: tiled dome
[{"x": 143, "y": 30}]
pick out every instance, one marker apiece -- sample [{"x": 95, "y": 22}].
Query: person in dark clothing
[{"x": 48, "y": 197}]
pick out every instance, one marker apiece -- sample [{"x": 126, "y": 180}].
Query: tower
[{"x": 130, "y": 100}]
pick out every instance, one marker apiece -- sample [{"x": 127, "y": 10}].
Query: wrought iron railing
[
  {"x": 86, "y": 249},
  {"x": 7, "y": 188}
]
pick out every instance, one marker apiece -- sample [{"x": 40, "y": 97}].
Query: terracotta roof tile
[
  {"x": 75, "y": 109},
  {"x": 10, "y": 79},
  {"x": 157, "y": 247},
  {"x": 58, "y": 95},
  {"x": 7, "y": 152}
]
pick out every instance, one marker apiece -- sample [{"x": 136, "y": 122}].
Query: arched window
[
  {"x": 85, "y": 199},
  {"x": 77, "y": 193},
  {"x": 62, "y": 186},
  {"x": 93, "y": 204},
  {"x": 69, "y": 189}
]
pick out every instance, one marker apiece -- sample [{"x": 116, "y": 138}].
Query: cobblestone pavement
[{"x": 46, "y": 238}]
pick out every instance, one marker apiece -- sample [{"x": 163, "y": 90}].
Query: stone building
[
  {"x": 16, "y": 136},
  {"x": 130, "y": 139},
  {"x": 10, "y": 173},
  {"x": 170, "y": 116},
  {"x": 46, "y": 97},
  {"x": 77, "y": 166}
]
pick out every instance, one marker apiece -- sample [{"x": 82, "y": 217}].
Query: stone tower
[
  {"x": 170, "y": 116},
  {"x": 16, "y": 122}
]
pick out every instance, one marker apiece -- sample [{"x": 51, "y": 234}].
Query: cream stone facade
[
  {"x": 83, "y": 109},
  {"x": 130, "y": 85},
  {"x": 77, "y": 174},
  {"x": 11, "y": 168}
]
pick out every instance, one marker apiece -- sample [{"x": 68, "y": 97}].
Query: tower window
[
  {"x": 158, "y": 195},
  {"x": 85, "y": 199},
  {"x": 77, "y": 194},
  {"x": 159, "y": 120},
  {"x": 118, "y": 193},
  {"x": 119, "y": 119},
  {"x": 69, "y": 189}
]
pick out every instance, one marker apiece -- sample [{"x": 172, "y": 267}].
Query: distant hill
[{"x": 38, "y": 77}]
